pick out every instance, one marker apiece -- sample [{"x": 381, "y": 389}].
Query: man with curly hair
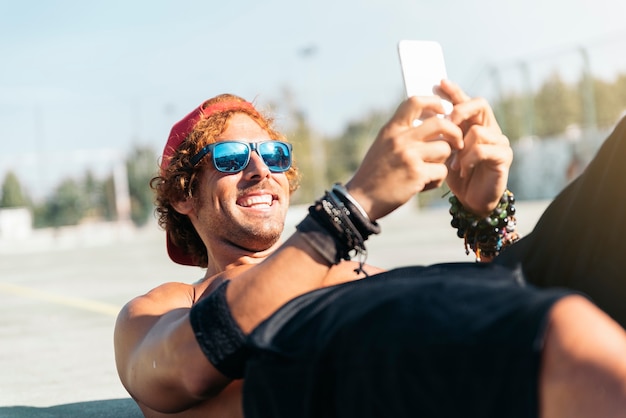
[{"x": 299, "y": 329}]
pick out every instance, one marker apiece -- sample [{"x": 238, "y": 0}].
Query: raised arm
[{"x": 402, "y": 161}]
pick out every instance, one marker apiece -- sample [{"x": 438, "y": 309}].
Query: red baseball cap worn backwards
[{"x": 180, "y": 131}]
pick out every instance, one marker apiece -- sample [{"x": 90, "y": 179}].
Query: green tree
[
  {"x": 620, "y": 92},
  {"x": 66, "y": 206},
  {"x": 608, "y": 101},
  {"x": 12, "y": 194},
  {"x": 141, "y": 166},
  {"x": 299, "y": 132},
  {"x": 348, "y": 149},
  {"x": 557, "y": 106},
  {"x": 513, "y": 107},
  {"x": 107, "y": 201},
  {"x": 99, "y": 197},
  {"x": 93, "y": 190},
  {"x": 98, "y": 203},
  {"x": 300, "y": 136}
]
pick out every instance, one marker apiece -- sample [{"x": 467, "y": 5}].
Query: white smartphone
[{"x": 423, "y": 68}]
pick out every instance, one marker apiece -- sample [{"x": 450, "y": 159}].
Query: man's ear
[{"x": 184, "y": 207}]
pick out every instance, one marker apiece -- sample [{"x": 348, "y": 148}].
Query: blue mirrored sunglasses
[{"x": 234, "y": 156}]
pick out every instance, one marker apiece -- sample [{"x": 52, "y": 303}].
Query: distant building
[{"x": 15, "y": 223}]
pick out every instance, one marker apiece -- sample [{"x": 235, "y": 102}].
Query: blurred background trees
[
  {"x": 88, "y": 198},
  {"x": 555, "y": 108},
  {"x": 12, "y": 195}
]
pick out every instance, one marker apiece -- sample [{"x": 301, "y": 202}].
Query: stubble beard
[
  {"x": 256, "y": 237},
  {"x": 251, "y": 233}
]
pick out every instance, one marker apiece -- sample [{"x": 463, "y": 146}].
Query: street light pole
[
  {"x": 499, "y": 109},
  {"x": 529, "y": 106},
  {"x": 318, "y": 152},
  {"x": 589, "y": 103}
]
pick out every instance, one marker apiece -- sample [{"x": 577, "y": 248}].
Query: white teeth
[{"x": 257, "y": 200}]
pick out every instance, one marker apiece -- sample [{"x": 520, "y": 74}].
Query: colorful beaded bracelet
[{"x": 486, "y": 237}]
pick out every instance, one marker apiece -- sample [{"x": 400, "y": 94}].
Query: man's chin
[{"x": 258, "y": 242}]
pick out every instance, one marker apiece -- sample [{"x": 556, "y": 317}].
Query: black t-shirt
[
  {"x": 580, "y": 240},
  {"x": 449, "y": 340}
]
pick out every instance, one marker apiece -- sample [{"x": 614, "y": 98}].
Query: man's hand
[
  {"x": 467, "y": 149},
  {"x": 478, "y": 172},
  {"x": 406, "y": 158}
]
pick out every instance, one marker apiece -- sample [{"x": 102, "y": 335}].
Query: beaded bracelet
[{"x": 486, "y": 237}]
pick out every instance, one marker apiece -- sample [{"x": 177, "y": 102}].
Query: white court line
[{"x": 84, "y": 304}]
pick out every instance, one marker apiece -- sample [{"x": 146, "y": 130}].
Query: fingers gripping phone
[{"x": 423, "y": 68}]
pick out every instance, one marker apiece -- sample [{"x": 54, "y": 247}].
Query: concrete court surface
[{"x": 58, "y": 307}]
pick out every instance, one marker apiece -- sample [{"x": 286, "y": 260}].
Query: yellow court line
[{"x": 84, "y": 304}]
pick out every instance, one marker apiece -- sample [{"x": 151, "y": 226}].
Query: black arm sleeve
[{"x": 218, "y": 334}]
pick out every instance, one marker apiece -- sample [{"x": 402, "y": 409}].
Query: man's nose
[{"x": 256, "y": 167}]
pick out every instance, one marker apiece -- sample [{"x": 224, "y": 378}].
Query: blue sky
[{"x": 79, "y": 76}]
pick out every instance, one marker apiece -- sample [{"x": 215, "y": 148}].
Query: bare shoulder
[
  {"x": 162, "y": 299},
  {"x": 140, "y": 314},
  {"x": 163, "y": 305}
]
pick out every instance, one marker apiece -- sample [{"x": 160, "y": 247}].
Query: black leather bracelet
[
  {"x": 218, "y": 334},
  {"x": 322, "y": 240},
  {"x": 357, "y": 214},
  {"x": 337, "y": 227}
]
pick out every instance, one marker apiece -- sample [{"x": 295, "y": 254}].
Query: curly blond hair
[{"x": 179, "y": 178}]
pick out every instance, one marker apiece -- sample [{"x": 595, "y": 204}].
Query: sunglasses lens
[
  {"x": 276, "y": 155},
  {"x": 231, "y": 157}
]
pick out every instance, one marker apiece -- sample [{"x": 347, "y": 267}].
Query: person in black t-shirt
[{"x": 297, "y": 329}]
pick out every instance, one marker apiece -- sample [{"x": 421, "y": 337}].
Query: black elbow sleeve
[{"x": 220, "y": 338}]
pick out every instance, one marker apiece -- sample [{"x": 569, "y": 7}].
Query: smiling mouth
[{"x": 257, "y": 201}]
